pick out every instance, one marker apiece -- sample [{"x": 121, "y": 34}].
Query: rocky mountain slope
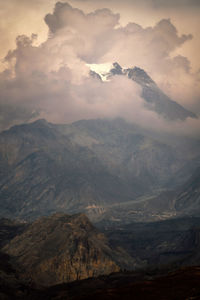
[
  {"x": 63, "y": 248},
  {"x": 9, "y": 229},
  {"x": 82, "y": 166},
  {"x": 188, "y": 198},
  {"x": 183, "y": 200},
  {"x": 155, "y": 98},
  {"x": 172, "y": 242}
]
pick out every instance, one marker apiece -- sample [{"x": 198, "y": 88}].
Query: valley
[{"x": 97, "y": 166}]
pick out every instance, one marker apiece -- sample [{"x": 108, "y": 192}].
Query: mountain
[
  {"x": 43, "y": 165},
  {"x": 156, "y": 100},
  {"x": 62, "y": 248},
  {"x": 9, "y": 229},
  {"x": 173, "y": 243},
  {"x": 188, "y": 198},
  {"x": 180, "y": 200},
  {"x": 84, "y": 166}
]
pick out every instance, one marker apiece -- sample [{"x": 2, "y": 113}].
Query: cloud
[
  {"x": 175, "y": 3},
  {"x": 22, "y": 17},
  {"x": 65, "y": 15},
  {"x": 52, "y": 80},
  {"x": 90, "y": 35},
  {"x": 146, "y": 46},
  {"x": 156, "y": 3}
]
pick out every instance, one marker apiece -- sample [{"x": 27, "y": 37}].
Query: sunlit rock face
[{"x": 61, "y": 248}]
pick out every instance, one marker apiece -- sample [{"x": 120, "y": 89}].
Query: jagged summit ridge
[
  {"x": 139, "y": 75},
  {"x": 136, "y": 74},
  {"x": 117, "y": 69},
  {"x": 156, "y": 100}
]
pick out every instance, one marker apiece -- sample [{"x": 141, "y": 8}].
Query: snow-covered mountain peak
[{"x": 101, "y": 69}]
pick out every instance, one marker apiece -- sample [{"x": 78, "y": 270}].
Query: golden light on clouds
[
  {"x": 22, "y": 17},
  {"x": 51, "y": 73},
  {"x": 27, "y": 17}
]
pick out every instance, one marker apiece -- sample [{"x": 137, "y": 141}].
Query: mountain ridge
[
  {"x": 63, "y": 248},
  {"x": 48, "y": 167},
  {"x": 156, "y": 100}
]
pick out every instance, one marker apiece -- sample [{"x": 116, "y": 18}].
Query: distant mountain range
[
  {"x": 156, "y": 100},
  {"x": 87, "y": 166}
]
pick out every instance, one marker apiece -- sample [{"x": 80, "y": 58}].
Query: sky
[{"x": 46, "y": 47}]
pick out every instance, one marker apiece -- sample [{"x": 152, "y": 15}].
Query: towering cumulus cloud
[{"x": 52, "y": 80}]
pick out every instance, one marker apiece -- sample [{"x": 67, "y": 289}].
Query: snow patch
[{"x": 101, "y": 69}]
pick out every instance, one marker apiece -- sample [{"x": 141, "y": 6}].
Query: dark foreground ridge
[
  {"x": 181, "y": 284},
  {"x": 66, "y": 257}
]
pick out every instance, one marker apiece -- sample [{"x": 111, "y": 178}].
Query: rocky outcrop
[{"x": 61, "y": 248}]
